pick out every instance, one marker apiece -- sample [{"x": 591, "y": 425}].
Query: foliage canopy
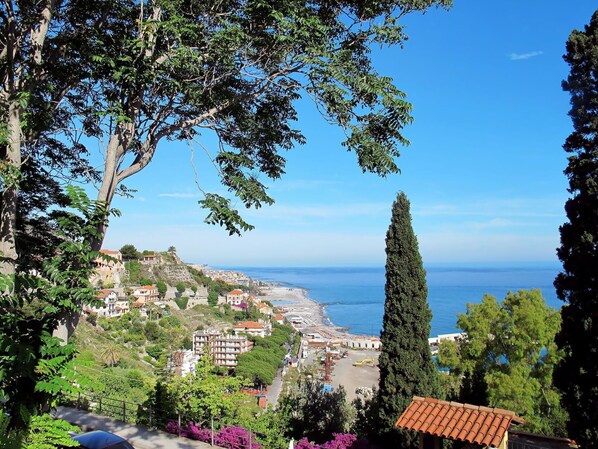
[
  {"x": 406, "y": 365},
  {"x": 509, "y": 349},
  {"x": 577, "y": 284}
]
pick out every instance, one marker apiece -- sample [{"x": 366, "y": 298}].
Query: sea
[{"x": 353, "y": 297}]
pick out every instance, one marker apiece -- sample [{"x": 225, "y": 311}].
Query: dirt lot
[{"x": 351, "y": 377}]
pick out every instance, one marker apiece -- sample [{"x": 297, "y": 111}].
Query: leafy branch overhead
[{"x": 178, "y": 70}]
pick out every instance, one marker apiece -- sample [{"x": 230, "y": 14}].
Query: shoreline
[
  {"x": 303, "y": 311},
  {"x": 345, "y": 372}
]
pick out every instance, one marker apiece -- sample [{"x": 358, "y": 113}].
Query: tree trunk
[
  {"x": 116, "y": 147},
  {"x": 11, "y": 161}
]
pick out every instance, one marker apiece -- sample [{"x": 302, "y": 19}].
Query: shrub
[
  {"x": 182, "y": 302},
  {"x": 154, "y": 351},
  {"x": 228, "y": 437}
]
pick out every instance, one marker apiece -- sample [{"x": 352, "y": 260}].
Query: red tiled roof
[
  {"x": 236, "y": 292},
  {"x": 465, "y": 422},
  {"x": 109, "y": 251},
  {"x": 248, "y": 325},
  {"x": 103, "y": 293}
]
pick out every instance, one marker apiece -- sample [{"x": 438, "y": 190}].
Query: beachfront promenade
[{"x": 138, "y": 436}]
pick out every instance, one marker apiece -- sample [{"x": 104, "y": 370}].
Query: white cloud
[
  {"x": 179, "y": 195},
  {"x": 522, "y": 56}
]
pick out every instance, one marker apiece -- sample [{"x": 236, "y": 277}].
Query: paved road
[
  {"x": 138, "y": 436},
  {"x": 275, "y": 389}
]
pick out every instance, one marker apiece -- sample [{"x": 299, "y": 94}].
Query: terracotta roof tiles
[
  {"x": 248, "y": 325},
  {"x": 464, "y": 422}
]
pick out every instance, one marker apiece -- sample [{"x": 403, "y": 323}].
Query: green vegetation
[
  {"x": 311, "y": 411},
  {"x": 162, "y": 288},
  {"x": 120, "y": 357},
  {"x": 576, "y": 376},
  {"x": 261, "y": 364},
  {"x": 44, "y": 432},
  {"x": 34, "y": 367},
  {"x": 203, "y": 396},
  {"x": 406, "y": 365},
  {"x": 507, "y": 359},
  {"x": 182, "y": 302},
  {"x": 129, "y": 252},
  {"x": 133, "y": 268}
]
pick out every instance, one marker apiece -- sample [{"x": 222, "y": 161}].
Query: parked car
[{"x": 98, "y": 439}]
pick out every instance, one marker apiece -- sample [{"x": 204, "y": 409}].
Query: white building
[
  {"x": 362, "y": 342},
  {"x": 108, "y": 308},
  {"x": 236, "y": 297}
]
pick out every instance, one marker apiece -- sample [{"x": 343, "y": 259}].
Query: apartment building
[{"x": 223, "y": 349}]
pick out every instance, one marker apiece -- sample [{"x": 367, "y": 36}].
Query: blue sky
[{"x": 484, "y": 171}]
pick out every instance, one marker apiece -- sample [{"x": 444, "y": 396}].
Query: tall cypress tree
[
  {"x": 577, "y": 284},
  {"x": 406, "y": 366}
]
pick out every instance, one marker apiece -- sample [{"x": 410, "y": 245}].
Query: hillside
[{"x": 124, "y": 356}]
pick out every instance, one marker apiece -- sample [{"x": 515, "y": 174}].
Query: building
[
  {"x": 109, "y": 266},
  {"x": 251, "y": 328},
  {"x": 122, "y": 306},
  {"x": 108, "y": 308},
  {"x": 435, "y": 341},
  {"x": 265, "y": 309},
  {"x": 279, "y": 318},
  {"x": 223, "y": 349},
  {"x": 471, "y": 425},
  {"x": 112, "y": 263},
  {"x": 362, "y": 342},
  {"x": 147, "y": 293},
  {"x": 182, "y": 362},
  {"x": 236, "y": 297},
  {"x": 150, "y": 259}
]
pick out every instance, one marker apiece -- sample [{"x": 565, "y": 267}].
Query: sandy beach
[{"x": 309, "y": 314}]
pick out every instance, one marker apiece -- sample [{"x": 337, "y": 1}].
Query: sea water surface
[{"x": 354, "y": 296}]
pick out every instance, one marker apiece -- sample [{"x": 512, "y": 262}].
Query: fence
[{"x": 157, "y": 419}]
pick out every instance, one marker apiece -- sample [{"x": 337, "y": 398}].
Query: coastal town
[
  {"x": 350, "y": 360},
  {"x": 275, "y": 304},
  {"x": 404, "y": 191}
]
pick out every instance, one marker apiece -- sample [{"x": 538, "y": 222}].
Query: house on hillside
[
  {"x": 278, "y": 318},
  {"x": 251, "y": 328},
  {"x": 265, "y": 309},
  {"x": 236, "y": 297},
  {"x": 151, "y": 259},
  {"x": 108, "y": 307},
  {"x": 474, "y": 426},
  {"x": 108, "y": 269},
  {"x": 254, "y": 299},
  {"x": 114, "y": 264},
  {"x": 145, "y": 294},
  {"x": 122, "y": 306}
]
